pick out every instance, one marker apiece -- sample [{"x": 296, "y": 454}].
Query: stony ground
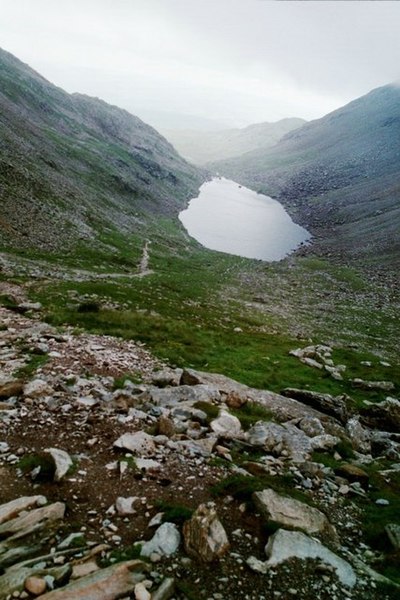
[{"x": 136, "y": 459}]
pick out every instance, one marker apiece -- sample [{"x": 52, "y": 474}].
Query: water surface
[{"x": 233, "y": 219}]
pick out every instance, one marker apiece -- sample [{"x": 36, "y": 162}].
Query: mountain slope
[
  {"x": 74, "y": 167},
  {"x": 201, "y": 147},
  {"x": 338, "y": 176}
]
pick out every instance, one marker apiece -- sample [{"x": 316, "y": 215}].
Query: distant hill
[
  {"x": 339, "y": 176},
  {"x": 201, "y": 147},
  {"x": 74, "y": 169}
]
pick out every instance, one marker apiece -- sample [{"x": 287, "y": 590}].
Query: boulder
[
  {"x": 10, "y": 510},
  {"x": 353, "y": 473},
  {"x": 124, "y": 506},
  {"x": 276, "y": 438},
  {"x": 204, "y": 536},
  {"x": 385, "y": 386},
  {"x": 139, "y": 443},
  {"x": 165, "y": 541},
  {"x": 291, "y": 513},
  {"x": 62, "y": 460},
  {"x": 110, "y": 583},
  {"x": 170, "y": 397},
  {"x": 30, "y": 522},
  {"x": 226, "y": 425},
  {"x": 335, "y": 406},
  {"x": 383, "y": 415},
  {"x": 284, "y": 545},
  {"x": 359, "y": 436}
]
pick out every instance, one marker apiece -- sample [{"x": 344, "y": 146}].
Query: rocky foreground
[{"x": 123, "y": 478}]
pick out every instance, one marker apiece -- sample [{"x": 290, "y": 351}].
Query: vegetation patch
[
  {"x": 40, "y": 466},
  {"x": 174, "y": 513},
  {"x": 250, "y": 413}
]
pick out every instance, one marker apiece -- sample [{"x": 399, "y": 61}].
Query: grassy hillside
[
  {"x": 338, "y": 176},
  {"x": 202, "y": 147},
  {"x": 76, "y": 172}
]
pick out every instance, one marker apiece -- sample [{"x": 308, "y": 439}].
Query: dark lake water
[{"x": 233, "y": 219}]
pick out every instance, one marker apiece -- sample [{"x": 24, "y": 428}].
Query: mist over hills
[
  {"x": 73, "y": 168},
  {"x": 201, "y": 147},
  {"x": 338, "y": 175}
]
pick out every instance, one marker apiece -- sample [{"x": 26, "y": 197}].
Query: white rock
[
  {"x": 165, "y": 541},
  {"x": 284, "y": 545},
  {"x": 147, "y": 464},
  {"x": 37, "y": 388},
  {"x": 139, "y": 442},
  {"x": 141, "y": 593},
  {"x": 62, "y": 460},
  {"x": 124, "y": 506},
  {"x": 226, "y": 424}
]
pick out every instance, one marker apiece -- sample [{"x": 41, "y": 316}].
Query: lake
[{"x": 231, "y": 218}]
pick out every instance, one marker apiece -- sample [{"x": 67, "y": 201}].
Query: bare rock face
[
  {"x": 292, "y": 513},
  {"x": 204, "y": 536}
]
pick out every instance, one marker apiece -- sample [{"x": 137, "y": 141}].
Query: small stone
[
  {"x": 35, "y": 585},
  {"x": 382, "y": 502},
  {"x": 141, "y": 593}
]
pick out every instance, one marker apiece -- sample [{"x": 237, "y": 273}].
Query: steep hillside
[
  {"x": 74, "y": 169},
  {"x": 339, "y": 176},
  {"x": 201, "y": 147}
]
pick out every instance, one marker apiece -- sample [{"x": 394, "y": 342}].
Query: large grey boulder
[
  {"x": 277, "y": 438},
  {"x": 291, "y": 513},
  {"x": 284, "y": 545}
]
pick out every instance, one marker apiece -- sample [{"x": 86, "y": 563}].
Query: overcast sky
[{"x": 239, "y": 61}]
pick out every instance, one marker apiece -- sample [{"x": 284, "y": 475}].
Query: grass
[
  {"x": 43, "y": 461},
  {"x": 187, "y": 311},
  {"x": 242, "y": 487},
  {"x": 174, "y": 513},
  {"x": 35, "y": 362},
  {"x": 250, "y": 413}
]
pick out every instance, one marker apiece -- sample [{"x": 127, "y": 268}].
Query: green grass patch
[
  {"x": 242, "y": 487},
  {"x": 43, "y": 462},
  {"x": 35, "y": 362},
  {"x": 250, "y": 413},
  {"x": 174, "y": 513}
]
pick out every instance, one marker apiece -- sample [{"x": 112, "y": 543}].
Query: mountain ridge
[
  {"x": 338, "y": 175},
  {"x": 202, "y": 147},
  {"x": 72, "y": 166}
]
